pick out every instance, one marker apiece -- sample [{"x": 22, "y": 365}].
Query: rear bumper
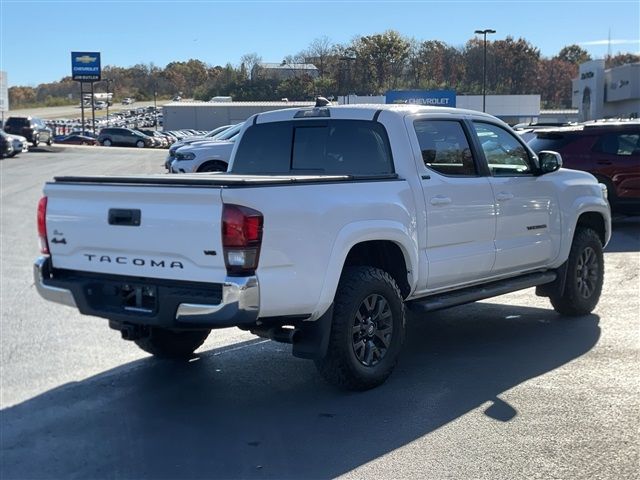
[{"x": 234, "y": 302}]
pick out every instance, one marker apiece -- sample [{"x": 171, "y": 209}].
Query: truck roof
[{"x": 366, "y": 112}]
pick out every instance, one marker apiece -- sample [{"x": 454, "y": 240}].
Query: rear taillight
[
  {"x": 241, "y": 239},
  {"x": 42, "y": 225}
]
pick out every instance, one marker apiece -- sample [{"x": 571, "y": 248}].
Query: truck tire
[
  {"x": 585, "y": 275},
  {"x": 367, "y": 330},
  {"x": 165, "y": 343}
]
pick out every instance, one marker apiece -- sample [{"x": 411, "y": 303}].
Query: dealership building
[
  {"x": 209, "y": 115},
  {"x": 607, "y": 93},
  {"x": 597, "y": 93}
]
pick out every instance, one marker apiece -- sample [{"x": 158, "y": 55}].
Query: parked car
[
  {"x": 84, "y": 133},
  {"x": 331, "y": 224},
  {"x": 127, "y": 101},
  {"x": 18, "y": 143},
  {"x": 124, "y": 137},
  {"x": 158, "y": 140},
  {"x": 212, "y": 135},
  {"x": 74, "y": 139},
  {"x": 205, "y": 155},
  {"x": 610, "y": 151},
  {"x": 6, "y": 145},
  {"x": 32, "y": 128}
]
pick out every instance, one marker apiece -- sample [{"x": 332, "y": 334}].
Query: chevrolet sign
[{"x": 85, "y": 66}]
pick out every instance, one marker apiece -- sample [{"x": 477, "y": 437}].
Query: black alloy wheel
[
  {"x": 587, "y": 272},
  {"x": 372, "y": 330}
]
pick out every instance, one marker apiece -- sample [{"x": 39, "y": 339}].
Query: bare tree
[
  {"x": 250, "y": 61},
  {"x": 319, "y": 51}
]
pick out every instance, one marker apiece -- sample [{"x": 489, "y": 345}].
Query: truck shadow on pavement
[
  {"x": 626, "y": 235},
  {"x": 253, "y": 411}
]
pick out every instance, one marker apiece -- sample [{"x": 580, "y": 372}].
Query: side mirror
[{"x": 549, "y": 161}]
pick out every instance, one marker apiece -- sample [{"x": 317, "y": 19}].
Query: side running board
[{"x": 480, "y": 292}]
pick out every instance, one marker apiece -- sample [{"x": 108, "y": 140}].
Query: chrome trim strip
[
  {"x": 53, "y": 294},
  {"x": 240, "y": 303}
]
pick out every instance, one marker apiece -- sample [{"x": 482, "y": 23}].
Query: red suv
[{"x": 610, "y": 151}]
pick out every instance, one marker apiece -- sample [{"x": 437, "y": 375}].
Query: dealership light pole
[
  {"x": 155, "y": 106},
  {"x": 484, "y": 66},
  {"x": 108, "y": 99}
]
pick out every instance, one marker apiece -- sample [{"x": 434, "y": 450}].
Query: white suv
[{"x": 206, "y": 155}]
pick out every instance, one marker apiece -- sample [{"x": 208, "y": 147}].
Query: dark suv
[
  {"x": 33, "y": 129},
  {"x": 610, "y": 151},
  {"x": 124, "y": 137}
]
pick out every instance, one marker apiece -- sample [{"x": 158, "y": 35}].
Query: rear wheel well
[
  {"x": 382, "y": 254},
  {"x": 595, "y": 222}
]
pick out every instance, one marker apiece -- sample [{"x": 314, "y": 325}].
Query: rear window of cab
[{"x": 315, "y": 147}]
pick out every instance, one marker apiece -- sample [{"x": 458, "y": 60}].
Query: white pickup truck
[{"x": 331, "y": 221}]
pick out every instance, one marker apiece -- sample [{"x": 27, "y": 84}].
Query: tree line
[{"x": 367, "y": 65}]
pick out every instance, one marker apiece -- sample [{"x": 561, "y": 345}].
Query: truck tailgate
[{"x": 153, "y": 231}]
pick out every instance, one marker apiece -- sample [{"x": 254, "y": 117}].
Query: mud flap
[
  {"x": 555, "y": 287},
  {"x": 312, "y": 338}
]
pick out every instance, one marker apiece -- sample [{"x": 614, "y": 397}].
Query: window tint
[
  {"x": 229, "y": 133},
  {"x": 264, "y": 149},
  {"x": 444, "y": 147},
  {"x": 549, "y": 141},
  {"x": 619, "y": 144},
  {"x": 17, "y": 122},
  {"x": 327, "y": 147},
  {"x": 309, "y": 144},
  {"x": 505, "y": 155},
  {"x": 356, "y": 147}
]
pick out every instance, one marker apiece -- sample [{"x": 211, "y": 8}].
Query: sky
[{"x": 38, "y": 36}]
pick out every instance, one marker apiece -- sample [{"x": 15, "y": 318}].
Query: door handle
[
  {"x": 502, "y": 196},
  {"x": 440, "y": 200},
  {"x": 604, "y": 162}
]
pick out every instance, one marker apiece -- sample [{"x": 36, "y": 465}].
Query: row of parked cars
[{"x": 141, "y": 137}]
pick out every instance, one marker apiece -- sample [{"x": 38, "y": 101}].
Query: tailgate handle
[{"x": 124, "y": 217}]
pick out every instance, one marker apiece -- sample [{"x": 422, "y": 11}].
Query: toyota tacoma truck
[{"x": 331, "y": 222}]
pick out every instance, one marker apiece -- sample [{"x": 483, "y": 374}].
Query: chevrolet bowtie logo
[{"x": 86, "y": 59}]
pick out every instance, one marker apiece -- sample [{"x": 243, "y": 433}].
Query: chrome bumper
[
  {"x": 53, "y": 294},
  {"x": 240, "y": 302}
]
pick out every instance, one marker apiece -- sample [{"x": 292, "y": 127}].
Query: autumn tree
[
  {"x": 382, "y": 58},
  {"x": 621, "y": 59},
  {"x": 554, "y": 82},
  {"x": 573, "y": 54}
]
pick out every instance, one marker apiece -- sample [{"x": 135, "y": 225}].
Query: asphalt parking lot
[{"x": 500, "y": 389}]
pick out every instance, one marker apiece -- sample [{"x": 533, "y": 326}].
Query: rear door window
[
  {"x": 444, "y": 147},
  {"x": 325, "y": 147},
  {"x": 618, "y": 144}
]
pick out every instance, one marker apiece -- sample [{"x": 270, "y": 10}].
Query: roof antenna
[{"x": 322, "y": 102}]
